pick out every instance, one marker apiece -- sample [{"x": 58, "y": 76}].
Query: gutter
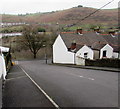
[{"x": 117, "y": 70}]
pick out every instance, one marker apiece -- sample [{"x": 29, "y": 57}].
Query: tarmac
[
  {"x": 117, "y": 70},
  {"x": 27, "y": 94},
  {"x": 19, "y": 91}
]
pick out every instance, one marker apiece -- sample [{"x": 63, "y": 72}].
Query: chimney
[
  {"x": 73, "y": 46},
  {"x": 79, "y": 31},
  {"x": 112, "y": 32},
  {"x": 97, "y": 30}
]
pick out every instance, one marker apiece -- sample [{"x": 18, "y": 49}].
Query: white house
[
  {"x": 67, "y": 52},
  {"x": 74, "y": 48},
  {"x": 2, "y": 62},
  {"x": 61, "y": 53},
  {"x": 85, "y": 52},
  {"x": 106, "y": 52}
]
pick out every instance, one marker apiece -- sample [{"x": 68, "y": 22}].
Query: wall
[
  {"x": 2, "y": 67},
  {"x": 109, "y": 50},
  {"x": 61, "y": 53},
  {"x": 83, "y": 50},
  {"x": 96, "y": 54},
  {"x": 0, "y": 93},
  {"x": 80, "y": 61},
  {"x": 115, "y": 55}
]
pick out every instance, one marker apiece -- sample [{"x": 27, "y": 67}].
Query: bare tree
[{"x": 32, "y": 39}]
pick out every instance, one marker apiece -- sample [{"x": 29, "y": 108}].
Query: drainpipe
[
  {"x": 119, "y": 55},
  {"x": 74, "y": 59}
]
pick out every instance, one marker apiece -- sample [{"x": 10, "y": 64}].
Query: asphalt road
[{"x": 74, "y": 87}]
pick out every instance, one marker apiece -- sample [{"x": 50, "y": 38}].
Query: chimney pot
[
  {"x": 112, "y": 32},
  {"x": 97, "y": 29},
  {"x": 79, "y": 31}
]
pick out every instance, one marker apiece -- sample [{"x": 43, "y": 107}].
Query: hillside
[{"x": 68, "y": 16}]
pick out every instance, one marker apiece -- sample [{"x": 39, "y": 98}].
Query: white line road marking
[
  {"x": 81, "y": 76},
  {"x": 91, "y": 78},
  {"x": 87, "y": 78},
  {"x": 50, "y": 99}
]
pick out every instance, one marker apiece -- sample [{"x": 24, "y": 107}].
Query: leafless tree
[{"x": 32, "y": 39}]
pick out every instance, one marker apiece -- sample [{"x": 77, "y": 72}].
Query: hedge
[{"x": 115, "y": 63}]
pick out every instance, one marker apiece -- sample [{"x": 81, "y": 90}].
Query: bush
[
  {"x": 41, "y": 30},
  {"x": 103, "y": 63}
]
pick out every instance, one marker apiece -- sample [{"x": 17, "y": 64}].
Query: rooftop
[{"x": 91, "y": 39}]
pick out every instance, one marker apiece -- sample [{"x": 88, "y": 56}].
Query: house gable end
[
  {"x": 106, "y": 51},
  {"x": 85, "y": 50},
  {"x": 107, "y": 46},
  {"x": 60, "y": 43}
]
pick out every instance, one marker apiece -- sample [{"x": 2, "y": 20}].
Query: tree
[
  {"x": 41, "y": 30},
  {"x": 32, "y": 39},
  {"x": 80, "y": 6}
]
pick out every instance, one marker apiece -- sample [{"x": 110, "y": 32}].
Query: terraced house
[{"x": 75, "y": 47}]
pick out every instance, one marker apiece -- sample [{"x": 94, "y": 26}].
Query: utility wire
[{"x": 95, "y": 11}]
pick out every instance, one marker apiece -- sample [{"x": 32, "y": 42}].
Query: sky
[{"x": 33, "y": 6}]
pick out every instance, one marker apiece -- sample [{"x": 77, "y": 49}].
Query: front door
[{"x": 104, "y": 53}]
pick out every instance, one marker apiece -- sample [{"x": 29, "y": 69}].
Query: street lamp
[{"x": 45, "y": 54}]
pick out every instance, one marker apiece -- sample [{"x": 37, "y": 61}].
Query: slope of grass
[{"x": 68, "y": 16}]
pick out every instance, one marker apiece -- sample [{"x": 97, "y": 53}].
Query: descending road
[{"x": 74, "y": 87}]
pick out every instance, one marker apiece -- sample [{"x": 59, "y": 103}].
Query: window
[
  {"x": 104, "y": 53},
  {"x": 85, "y": 55}
]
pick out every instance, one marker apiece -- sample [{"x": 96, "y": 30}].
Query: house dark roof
[
  {"x": 90, "y": 39},
  {"x": 98, "y": 46}
]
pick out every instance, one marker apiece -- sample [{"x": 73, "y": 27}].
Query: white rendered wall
[
  {"x": 115, "y": 55},
  {"x": 109, "y": 50},
  {"x": 79, "y": 61},
  {"x": 2, "y": 67},
  {"x": 85, "y": 49},
  {"x": 61, "y": 53},
  {"x": 4, "y": 49}
]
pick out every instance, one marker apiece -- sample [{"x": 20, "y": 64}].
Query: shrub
[{"x": 103, "y": 63}]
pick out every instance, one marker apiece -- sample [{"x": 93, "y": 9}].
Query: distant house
[
  {"x": 4, "y": 49},
  {"x": 75, "y": 47}
]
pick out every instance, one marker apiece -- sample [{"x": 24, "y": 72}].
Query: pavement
[{"x": 19, "y": 91}]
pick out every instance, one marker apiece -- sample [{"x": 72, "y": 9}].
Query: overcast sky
[{"x": 32, "y": 6}]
